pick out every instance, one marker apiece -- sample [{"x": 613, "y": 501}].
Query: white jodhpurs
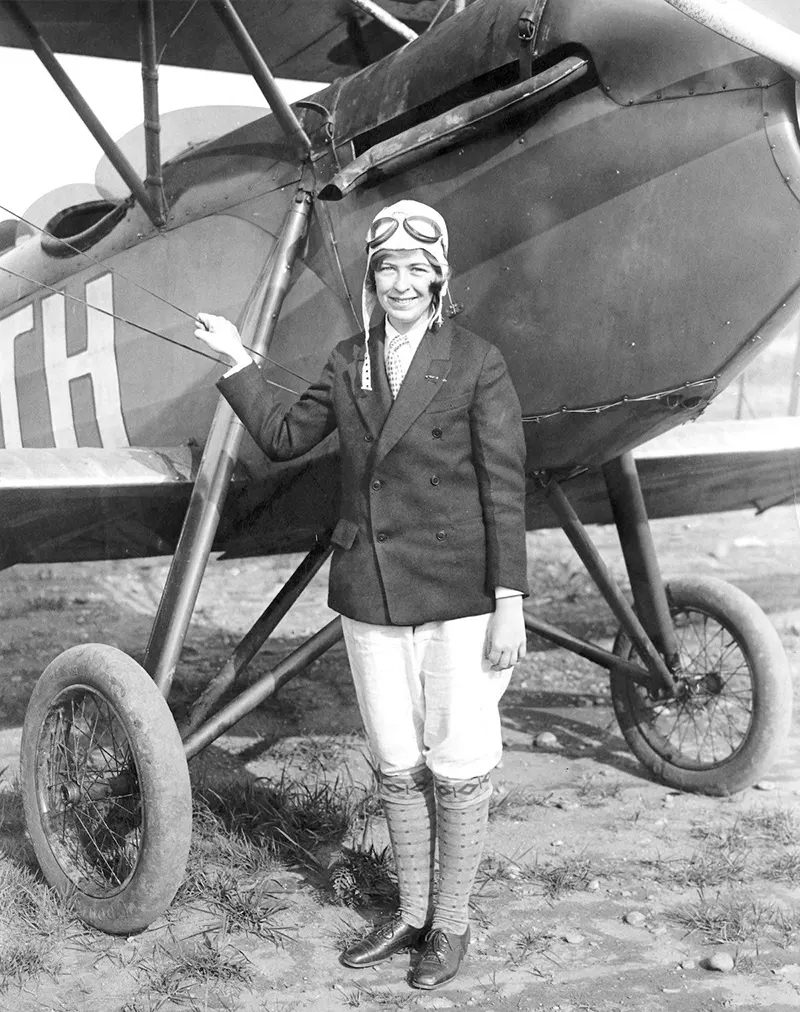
[{"x": 427, "y": 695}]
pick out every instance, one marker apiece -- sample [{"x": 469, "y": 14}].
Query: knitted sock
[
  {"x": 410, "y": 809},
  {"x": 462, "y": 817}
]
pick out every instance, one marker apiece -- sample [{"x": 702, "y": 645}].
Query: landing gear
[
  {"x": 699, "y": 679},
  {"x": 729, "y": 716},
  {"x": 105, "y": 787}
]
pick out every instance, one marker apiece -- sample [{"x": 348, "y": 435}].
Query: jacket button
[
  {"x": 367, "y": 437},
  {"x": 436, "y": 433},
  {"x": 380, "y": 537},
  {"x": 377, "y": 485},
  {"x": 434, "y": 479},
  {"x": 440, "y": 535}
]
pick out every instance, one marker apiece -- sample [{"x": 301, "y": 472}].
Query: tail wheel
[
  {"x": 730, "y": 717},
  {"x": 106, "y": 788}
]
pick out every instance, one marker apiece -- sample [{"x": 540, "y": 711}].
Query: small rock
[
  {"x": 749, "y": 542},
  {"x": 545, "y": 739},
  {"x": 765, "y": 785},
  {"x": 720, "y": 961},
  {"x": 635, "y": 918},
  {"x": 593, "y": 886},
  {"x": 438, "y": 1001},
  {"x": 573, "y": 937},
  {"x": 688, "y": 964}
]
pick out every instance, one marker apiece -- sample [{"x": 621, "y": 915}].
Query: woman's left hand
[{"x": 505, "y": 636}]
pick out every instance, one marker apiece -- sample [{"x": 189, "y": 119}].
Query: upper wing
[{"x": 312, "y": 40}]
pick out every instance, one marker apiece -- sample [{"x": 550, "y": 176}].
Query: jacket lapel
[
  {"x": 373, "y": 406},
  {"x": 426, "y": 375}
]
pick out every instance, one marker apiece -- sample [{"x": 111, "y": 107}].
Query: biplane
[{"x": 623, "y": 187}]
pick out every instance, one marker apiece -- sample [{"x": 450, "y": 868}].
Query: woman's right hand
[{"x": 222, "y": 337}]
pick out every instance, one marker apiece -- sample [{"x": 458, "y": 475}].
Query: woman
[{"x": 429, "y": 566}]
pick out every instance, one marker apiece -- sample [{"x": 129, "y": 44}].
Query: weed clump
[{"x": 364, "y": 877}]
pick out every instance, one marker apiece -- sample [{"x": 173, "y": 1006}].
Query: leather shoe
[
  {"x": 440, "y": 958},
  {"x": 382, "y": 943}
]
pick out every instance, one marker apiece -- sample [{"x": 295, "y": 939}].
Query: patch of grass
[
  {"x": 783, "y": 868},
  {"x": 736, "y": 918},
  {"x": 346, "y": 934},
  {"x": 22, "y": 607},
  {"x": 495, "y": 868},
  {"x": 571, "y": 874},
  {"x": 594, "y": 791},
  {"x": 187, "y": 973},
  {"x": 531, "y": 943},
  {"x": 786, "y": 925},
  {"x": 290, "y": 820},
  {"x": 515, "y": 803},
  {"x": 34, "y": 925},
  {"x": 315, "y": 754},
  {"x": 26, "y": 956},
  {"x": 28, "y": 902},
  {"x": 246, "y": 906},
  {"x": 567, "y": 876},
  {"x": 775, "y": 825},
  {"x": 14, "y": 844},
  {"x": 364, "y": 996},
  {"x": 364, "y": 877},
  {"x": 709, "y": 868}
]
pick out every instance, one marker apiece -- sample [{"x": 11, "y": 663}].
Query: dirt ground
[{"x": 601, "y": 889}]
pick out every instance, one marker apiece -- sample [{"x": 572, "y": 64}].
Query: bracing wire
[
  {"x": 174, "y": 32},
  {"x": 137, "y": 284},
  {"x": 130, "y": 323},
  {"x": 95, "y": 260}
]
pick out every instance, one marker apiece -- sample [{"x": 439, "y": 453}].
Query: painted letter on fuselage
[
  {"x": 97, "y": 361},
  {"x": 10, "y": 329}
]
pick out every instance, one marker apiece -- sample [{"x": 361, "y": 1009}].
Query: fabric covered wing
[
  {"x": 312, "y": 40},
  {"x": 705, "y": 467}
]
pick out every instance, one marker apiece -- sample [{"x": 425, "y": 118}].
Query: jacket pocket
[{"x": 344, "y": 534}]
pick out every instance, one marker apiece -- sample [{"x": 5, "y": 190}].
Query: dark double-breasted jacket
[{"x": 433, "y": 483}]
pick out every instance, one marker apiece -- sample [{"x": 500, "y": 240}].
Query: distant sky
[{"x": 43, "y": 141}]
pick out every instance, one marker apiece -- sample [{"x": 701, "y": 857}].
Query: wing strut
[
  {"x": 154, "y": 180},
  {"x": 376, "y": 11},
  {"x": 219, "y": 456},
  {"x": 262, "y": 75},
  {"x": 79, "y": 104}
]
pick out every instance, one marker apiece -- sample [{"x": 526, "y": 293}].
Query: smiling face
[{"x": 403, "y": 282}]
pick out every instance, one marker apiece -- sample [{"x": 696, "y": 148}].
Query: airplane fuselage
[{"x": 626, "y": 243}]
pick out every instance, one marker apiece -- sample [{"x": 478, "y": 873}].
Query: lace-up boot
[
  {"x": 382, "y": 942},
  {"x": 440, "y": 960}
]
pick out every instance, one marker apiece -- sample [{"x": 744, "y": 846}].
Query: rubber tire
[
  {"x": 771, "y": 687},
  {"x": 163, "y": 780}
]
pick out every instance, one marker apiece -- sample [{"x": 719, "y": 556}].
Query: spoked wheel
[
  {"x": 730, "y": 718},
  {"x": 106, "y": 788}
]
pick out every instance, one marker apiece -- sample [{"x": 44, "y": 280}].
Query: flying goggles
[{"x": 420, "y": 228}]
